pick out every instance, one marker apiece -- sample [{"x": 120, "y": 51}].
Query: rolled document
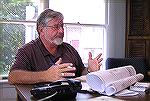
[
  {"x": 99, "y": 79},
  {"x": 121, "y": 84},
  {"x": 111, "y": 81}
]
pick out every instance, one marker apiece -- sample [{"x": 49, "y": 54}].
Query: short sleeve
[{"x": 21, "y": 61}]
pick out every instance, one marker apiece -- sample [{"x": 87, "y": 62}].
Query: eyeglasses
[{"x": 56, "y": 26}]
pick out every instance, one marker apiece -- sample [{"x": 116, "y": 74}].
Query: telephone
[{"x": 66, "y": 89}]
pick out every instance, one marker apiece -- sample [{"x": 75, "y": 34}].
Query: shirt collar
[{"x": 45, "y": 51}]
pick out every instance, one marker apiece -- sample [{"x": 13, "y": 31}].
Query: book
[
  {"x": 140, "y": 86},
  {"x": 111, "y": 81}
]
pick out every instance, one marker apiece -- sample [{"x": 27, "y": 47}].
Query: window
[
  {"x": 85, "y": 38},
  {"x": 82, "y": 11},
  {"x": 84, "y": 26},
  {"x": 17, "y": 27}
]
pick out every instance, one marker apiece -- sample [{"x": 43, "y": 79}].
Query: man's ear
[{"x": 41, "y": 30}]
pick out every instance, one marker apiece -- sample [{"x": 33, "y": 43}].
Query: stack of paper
[{"x": 140, "y": 86}]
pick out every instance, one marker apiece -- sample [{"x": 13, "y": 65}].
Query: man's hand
[
  {"x": 94, "y": 64},
  {"x": 60, "y": 71}
]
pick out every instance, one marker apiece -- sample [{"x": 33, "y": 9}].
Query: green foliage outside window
[{"x": 11, "y": 35}]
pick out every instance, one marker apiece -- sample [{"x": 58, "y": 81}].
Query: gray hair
[{"x": 47, "y": 15}]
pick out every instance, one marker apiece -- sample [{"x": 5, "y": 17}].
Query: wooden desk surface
[{"x": 24, "y": 93}]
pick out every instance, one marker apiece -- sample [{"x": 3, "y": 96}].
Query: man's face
[{"x": 54, "y": 31}]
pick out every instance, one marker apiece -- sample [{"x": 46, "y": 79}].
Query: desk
[{"x": 24, "y": 93}]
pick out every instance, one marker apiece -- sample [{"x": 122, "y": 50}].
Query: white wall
[{"x": 116, "y": 29}]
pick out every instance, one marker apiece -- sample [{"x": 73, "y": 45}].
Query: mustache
[{"x": 59, "y": 35}]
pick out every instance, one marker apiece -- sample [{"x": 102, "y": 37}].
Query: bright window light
[
  {"x": 82, "y": 11},
  {"x": 84, "y": 25}
]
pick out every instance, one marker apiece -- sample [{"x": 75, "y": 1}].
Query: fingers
[
  {"x": 100, "y": 64},
  {"x": 67, "y": 74},
  {"x": 90, "y": 55},
  {"x": 59, "y": 61},
  {"x": 100, "y": 60},
  {"x": 68, "y": 69},
  {"x": 65, "y": 69},
  {"x": 65, "y": 65},
  {"x": 99, "y": 55}
]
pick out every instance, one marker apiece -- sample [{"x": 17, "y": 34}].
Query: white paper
[
  {"x": 113, "y": 80},
  {"x": 121, "y": 84},
  {"x": 140, "y": 86},
  {"x": 126, "y": 92}
]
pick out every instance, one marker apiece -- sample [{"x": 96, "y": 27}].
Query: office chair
[{"x": 138, "y": 63}]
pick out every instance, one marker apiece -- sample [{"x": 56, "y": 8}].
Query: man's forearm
[{"x": 25, "y": 77}]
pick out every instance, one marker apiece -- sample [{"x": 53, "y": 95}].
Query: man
[{"x": 48, "y": 58}]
